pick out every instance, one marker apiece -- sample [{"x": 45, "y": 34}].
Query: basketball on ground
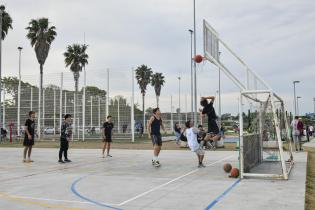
[
  {"x": 227, "y": 167},
  {"x": 234, "y": 173},
  {"x": 198, "y": 58}
]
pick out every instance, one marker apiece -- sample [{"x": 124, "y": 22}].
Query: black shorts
[
  {"x": 213, "y": 127},
  {"x": 64, "y": 144},
  {"x": 156, "y": 139},
  {"x": 107, "y": 139},
  {"x": 27, "y": 142}
]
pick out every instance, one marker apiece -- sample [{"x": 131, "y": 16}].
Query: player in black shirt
[
  {"x": 107, "y": 132},
  {"x": 29, "y": 137},
  {"x": 154, "y": 126},
  {"x": 65, "y": 136},
  {"x": 213, "y": 129}
]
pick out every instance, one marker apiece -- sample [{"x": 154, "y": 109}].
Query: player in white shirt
[{"x": 191, "y": 134}]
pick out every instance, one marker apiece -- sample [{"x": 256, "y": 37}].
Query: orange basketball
[
  {"x": 198, "y": 58},
  {"x": 235, "y": 172},
  {"x": 227, "y": 167}
]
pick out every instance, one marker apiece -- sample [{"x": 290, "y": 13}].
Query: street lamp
[
  {"x": 179, "y": 118},
  {"x": 314, "y": 104},
  {"x": 19, "y": 92},
  {"x": 2, "y": 8},
  {"x": 195, "y": 73},
  {"x": 191, "y": 75},
  {"x": 294, "y": 82},
  {"x": 297, "y": 104}
]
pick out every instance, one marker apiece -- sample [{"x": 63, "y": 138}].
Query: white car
[{"x": 49, "y": 131}]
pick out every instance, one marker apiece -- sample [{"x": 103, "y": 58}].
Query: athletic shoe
[
  {"x": 156, "y": 164},
  {"x": 103, "y": 156},
  {"x": 199, "y": 166},
  {"x": 202, "y": 165},
  {"x": 61, "y": 161},
  {"x": 67, "y": 160},
  {"x": 109, "y": 155},
  {"x": 25, "y": 161},
  {"x": 153, "y": 162},
  {"x": 30, "y": 161}
]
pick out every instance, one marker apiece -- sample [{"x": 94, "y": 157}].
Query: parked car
[{"x": 50, "y": 130}]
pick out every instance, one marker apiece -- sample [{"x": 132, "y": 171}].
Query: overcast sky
[{"x": 275, "y": 38}]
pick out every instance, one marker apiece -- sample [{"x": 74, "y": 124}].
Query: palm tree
[
  {"x": 6, "y": 24},
  {"x": 157, "y": 81},
  {"x": 41, "y": 36},
  {"x": 76, "y": 58},
  {"x": 143, "y": 76}
]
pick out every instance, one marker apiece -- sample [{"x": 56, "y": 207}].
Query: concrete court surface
[{"x": 129, "y": 181}]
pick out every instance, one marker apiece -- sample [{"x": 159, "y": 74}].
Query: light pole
[
  {"x": 294, "y": 82},
  {"x": 314, "y": 104},
  {"x": 195, "y": 73},
  {"x": 219, "y": 95},
  {"x": 297, "y": 104},
  {"x": 191, "y": 75},
  {"x": 19, "y": 92},
  {"x": 179, "y": 111},
  {"x": 2, "y": 8}
]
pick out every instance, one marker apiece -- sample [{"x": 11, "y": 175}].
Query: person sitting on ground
[
  {"x": 177, "y": 131},
  {"x": 201, "y": 138}
]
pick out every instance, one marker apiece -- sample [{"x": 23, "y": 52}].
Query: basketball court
[{"x": 129, "y": 181}]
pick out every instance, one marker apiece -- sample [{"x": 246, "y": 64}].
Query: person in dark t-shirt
[
  {"x": 107, "y": 132},
  {"x": 65, "y": 136},
  {"x": 213, "y": 129},
  {"x": 29, "y": 137}
]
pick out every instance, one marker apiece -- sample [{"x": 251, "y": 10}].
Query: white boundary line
[{"x": 169, "y": 182}]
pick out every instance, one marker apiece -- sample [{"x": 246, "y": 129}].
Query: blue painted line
[
  {"x": 213, "y": 203},
  {"x": 73, "y": 189}
]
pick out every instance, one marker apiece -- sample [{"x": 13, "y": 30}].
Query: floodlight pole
[
  {"x": 195, "y": 73},
  {"x": 179, "y": 111},
  {"x": 2, "y": 8},
  {"x": 314, "y": 104},
  {"x": 19, "y": 93},
  {"x": 191, "y": 75},
  {"x": 297, "y": 105},
  {"x": 294, "y": 100}
]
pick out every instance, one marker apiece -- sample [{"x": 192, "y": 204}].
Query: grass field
[{"x": 310, "y": 181}]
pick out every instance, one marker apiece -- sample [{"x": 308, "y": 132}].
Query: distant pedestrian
[
  {"x": 177, "y": 131},
  {"x": 296, "y": 133}
]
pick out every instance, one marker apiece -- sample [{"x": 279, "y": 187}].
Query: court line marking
[
  {"x": 46, "y": 199},
  {"x": 30, "y": 202},
  {"x": 220, "y": 197},
  {"x": 169, "y": 182},
  {"x": 73, "y": 189}
]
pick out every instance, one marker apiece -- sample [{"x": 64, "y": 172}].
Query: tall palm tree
[
  {"x": 41, "y": 36},
  {"x": 143, "y": 76},
  {"x": 76, "y": 58},
  {"x": 6, "y": 24},
  {"x": 157, "y": 81}
]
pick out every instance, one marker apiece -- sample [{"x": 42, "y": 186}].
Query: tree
[
  {"x": 143, "y": 76},
  {"x": 157, "y": 81},
  {"x": 41, "y": 35},
  {"x": 76, "y": 58},
  {"x": 6, "y": 22}
]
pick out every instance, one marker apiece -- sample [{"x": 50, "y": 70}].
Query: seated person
[
  {"x": 177, "y": 130},
  {"x": 201, "y": 138}
]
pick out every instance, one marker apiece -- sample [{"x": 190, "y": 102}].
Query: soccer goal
[{"x": 265, "y": 145}]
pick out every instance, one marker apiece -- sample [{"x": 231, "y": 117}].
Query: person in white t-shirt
[{"x": 191, "y": 134}]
